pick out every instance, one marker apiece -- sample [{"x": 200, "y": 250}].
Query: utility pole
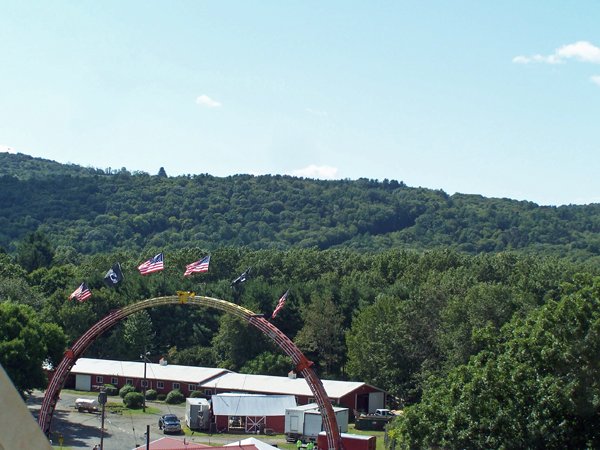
[
  {"x": 102, "y": 396},
  {"x": 144, "y": 356}
]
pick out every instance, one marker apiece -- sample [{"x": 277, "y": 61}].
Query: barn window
[
  {"x": 160, "y": 384},
  {"x": 176, "y": 385},
  {"x": 114, "y": 381},
  {"x": 99, "y": 379}
]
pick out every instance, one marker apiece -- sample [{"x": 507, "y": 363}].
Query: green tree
[
  {"x": 35, "y": 251},
  {"x": 138, "y": 333},
  {"x": 25, "y": 343},
  {"x": 268, "y": 363},
  {"x": 322, "y": 336},
  {"x": 236, "y": 342}
]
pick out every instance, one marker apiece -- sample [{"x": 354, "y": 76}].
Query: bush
[
  {"x": 126, "y": 390},
  {"x": 110, "y": 389},
  {"x": 133, "y": 400},
  {"x": 151, "y": 394},
  {"x": 197, "y": 394},
  {"x": 175, "y": 397},
  {"x": 161, "y": 397}
]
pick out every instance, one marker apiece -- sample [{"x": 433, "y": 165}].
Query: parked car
[{"x": 169, "y": 423}]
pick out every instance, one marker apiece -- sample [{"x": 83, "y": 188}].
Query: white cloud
[
  {"x": 205, "y": 100},
  {"x": 316, "y": 112},
  {"x": 581, "y": 50},
  {"x": 595, "y": 79},
  {"x": 550, "y": 59},
  {"x": 314, "y": 171},
  {"x": 7, "y": 149}
]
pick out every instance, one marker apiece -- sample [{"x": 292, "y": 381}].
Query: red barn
[{"x": 251, "y": 413}]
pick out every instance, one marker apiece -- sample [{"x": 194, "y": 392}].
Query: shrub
[
  {"x": 126, "y": 390},
  {"x": 151, "y": 394},
  {"x": 175, "y": 397},
  {"x": 111, "y": 389},
  {"x": 133, "y": 400},
  {"x": 161, "y": 397},
  {"x": 196, "y": 394}
]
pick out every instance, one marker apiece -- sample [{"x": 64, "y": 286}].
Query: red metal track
[{"x": 302, "y": 364}]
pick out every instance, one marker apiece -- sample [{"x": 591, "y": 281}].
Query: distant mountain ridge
[{"x": 94, "y": 210}]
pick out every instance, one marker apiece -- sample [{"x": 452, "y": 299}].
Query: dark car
[{"x": 169, "y": 423}]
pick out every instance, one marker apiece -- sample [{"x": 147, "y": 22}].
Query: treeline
[{"x": 91, "y": 211}]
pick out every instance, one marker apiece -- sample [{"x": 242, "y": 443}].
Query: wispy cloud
[
  {"x": 595, "y": 79},
  {"x": 205, "y": 100},
  {"x": 316, "y": 112},
  {"x": 583, "y": 51},
  {"x": 314, "y": 171}
]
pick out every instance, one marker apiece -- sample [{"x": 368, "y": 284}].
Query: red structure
[
  {"x": 302, "y": 364},
  {"x": 351, "y": 441}
]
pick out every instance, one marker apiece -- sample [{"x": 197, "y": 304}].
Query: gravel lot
[{"x": 122, "y": 431}]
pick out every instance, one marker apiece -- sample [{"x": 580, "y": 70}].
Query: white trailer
[
  {"x": 86, "y": 404},
  {"x": 197, "y": 413},
  {"x": 305, "y": 422}
]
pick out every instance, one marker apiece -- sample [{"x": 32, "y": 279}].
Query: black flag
[
  {"x": 242, "y": 278},
  {"x": 114, "y": 275}
]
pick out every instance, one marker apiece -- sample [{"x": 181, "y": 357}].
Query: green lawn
[{"x": 120, "y": 408}]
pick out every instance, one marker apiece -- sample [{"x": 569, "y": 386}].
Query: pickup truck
[{"x": 375, "y": 421}]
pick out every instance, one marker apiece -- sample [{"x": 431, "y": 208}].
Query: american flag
[
  {"x": 81, "y": 294},
  {"x": 280, "y": 304},
  {"x": 155, "y": 264},
  {"x": 200, "y": 266}
]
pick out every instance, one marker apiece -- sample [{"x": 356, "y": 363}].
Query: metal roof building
[
  {"x": 88, "y": 372},
  {"x": 354, "y": 395},
  {"x": 251, "y": 404},
  {"x": 282, "y": 385}
]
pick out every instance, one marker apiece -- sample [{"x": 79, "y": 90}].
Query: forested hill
[{"x": 95, "y": 210}]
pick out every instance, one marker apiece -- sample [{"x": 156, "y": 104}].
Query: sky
[{"x": 500, "y": 99}]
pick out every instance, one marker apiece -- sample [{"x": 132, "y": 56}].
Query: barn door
[{"x": 254, "y": 424}]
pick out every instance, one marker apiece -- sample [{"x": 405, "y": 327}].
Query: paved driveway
[{"x": 122, "y": 431}]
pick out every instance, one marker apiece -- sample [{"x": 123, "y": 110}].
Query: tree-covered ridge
[
  {"x": 25, "y": 167},
  {"x": 102, "y": 211}
]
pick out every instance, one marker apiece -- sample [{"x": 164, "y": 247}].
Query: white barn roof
[
  {"x": 279, "y": 385},
  {"x": 251, "y": 404},
  {"x": 260, "y": 445},
  {"x": 135, "y": 369}
]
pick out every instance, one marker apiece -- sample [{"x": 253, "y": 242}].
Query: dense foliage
[
  {"x": 26, "y": 342},
  {"x": 93, "y": 210},
  {"x": 538, "y": 386}
]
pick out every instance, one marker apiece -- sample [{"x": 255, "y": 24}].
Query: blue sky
[{"x": 500, "y": 99}]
